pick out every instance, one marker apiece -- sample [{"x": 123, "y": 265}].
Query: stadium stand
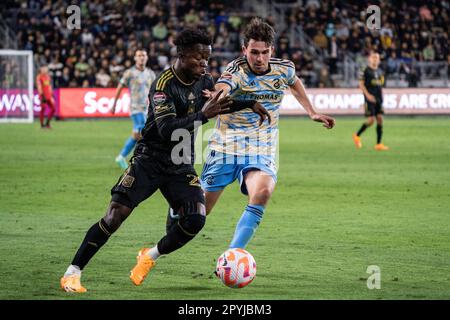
[{"x": 327, "y": 40}]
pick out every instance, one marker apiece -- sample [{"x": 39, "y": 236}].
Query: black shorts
[
  {"x": 372, "y": 109},
  {"x": 147, "y": 174}
]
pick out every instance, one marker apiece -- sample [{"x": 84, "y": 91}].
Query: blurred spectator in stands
[
  {"x": 146, "y": 38},
  {"x": 87, "y": 38},
  {"x": 425, "y": 13},
  {"x": 55, "y": 68},
  {"x": 428, "y": 52},
  {"x": 160, "y": 31},
  {"x": 64, "y": 80},
  {"x": 412, "y": 77},
  {"x": 85, "y": 84},
  {"x": 81, "y": 66},
  {"x": 111, "y": 29},
  {"x": 192, "y": 19},
  {"x": 333, "y": 55},
  {"x": 392, "y": 63},
  {"x": 324, "y": 79},
  {"x": 320, "y": 39},
  {"x": 163, "y": 63},
  {"x": 312, "y": 4},
  {"x": 235, "y": 21},
  {"x": 102, "y": 78},
  {"x": 330, "y": 31}
]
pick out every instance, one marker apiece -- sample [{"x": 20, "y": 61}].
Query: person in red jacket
[{"x": 44, "y": 87}]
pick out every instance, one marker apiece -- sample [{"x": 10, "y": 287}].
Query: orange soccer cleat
[
  {"x": 357, "y": 141},
  {"x": 72, "y": 283},
  {"x": 142, "y": 268},
  {"x": 381, "y": 147}
]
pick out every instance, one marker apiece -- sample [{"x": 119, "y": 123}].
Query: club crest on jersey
[
  {"x": 127, "y": 181},
  {"x": 159, "y": 98},
  {"x": 226, "y": 75},
  {"x": 210, "y": 180},
  {"x": 276, "y": 83}
]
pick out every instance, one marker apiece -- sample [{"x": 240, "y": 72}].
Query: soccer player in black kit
[
  {"x": 371, "y": 82},
  {"x": 177, "y": 101}
]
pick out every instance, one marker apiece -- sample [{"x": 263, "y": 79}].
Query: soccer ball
[{"x": 236, "y": 268}]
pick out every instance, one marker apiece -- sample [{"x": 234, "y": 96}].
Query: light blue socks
[
  {"x": 247, "y": 225},
  {"x": 129, "y": 145}
]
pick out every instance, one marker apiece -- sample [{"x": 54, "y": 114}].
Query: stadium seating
[{"x": 327, "y": 40}]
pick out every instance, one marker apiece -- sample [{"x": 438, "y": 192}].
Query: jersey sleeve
[
  {"x": 125, "y": 80},
  {"x": 362, "y": 75},
  {"x": 290, "y": 74},
  {"x": 38, "y": 82},
  {"x": 231, "y": 76},
  {"x": 162, "y": 104},
  {"x": 152, "y": 75},
  {"x": 164, "y": 109}
]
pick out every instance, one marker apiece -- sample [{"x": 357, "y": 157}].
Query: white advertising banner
[{"x": 351, "y": 101}]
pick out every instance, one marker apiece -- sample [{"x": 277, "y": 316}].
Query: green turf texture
[{"x": 335, "y": 211}]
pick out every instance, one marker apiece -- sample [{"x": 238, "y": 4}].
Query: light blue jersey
[
  {"x": 138, "y": 82},
  {"x": 239, "y": 144}
]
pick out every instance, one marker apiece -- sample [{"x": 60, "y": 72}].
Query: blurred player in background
[
  {"x": 138, "y": 79},
  {"x": 44, "y": 87},
  {"x": 371, "y": 81},
  {"x": 177, "y": 102},
  {"x": 240, "y": 148}
]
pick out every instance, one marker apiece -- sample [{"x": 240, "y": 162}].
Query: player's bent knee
[
  {"x": 193, "y": 223},
  {"x": 193, "y": 218},
  {"x": 379, "y": 120},
  {"x": 262, "y": 196}
]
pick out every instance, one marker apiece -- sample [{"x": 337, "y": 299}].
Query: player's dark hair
[
  {"x": 259, "y": 30},
  {"x": 139, "y": 49},
  {"x": 188, "y": 38}
]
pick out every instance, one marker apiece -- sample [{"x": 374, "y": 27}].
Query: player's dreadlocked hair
[
  {"x": 259, "y": 30},
  {"x": 190, "y": 37}
]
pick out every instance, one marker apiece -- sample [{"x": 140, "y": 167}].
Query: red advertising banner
[
  {"x": 411, "y": 101},
  {"x": 96, "y": 102},
  {"x": 92, "y": 103}
]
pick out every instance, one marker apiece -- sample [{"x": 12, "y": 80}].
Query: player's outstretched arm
[
  {"x": 167, "y": 121},
  {"x": 298, "y": 90},
  {"x": 238, "y": 105}
]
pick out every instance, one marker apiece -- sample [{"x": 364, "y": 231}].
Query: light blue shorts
[
  {"x": 138, "y": 121},
  {"x": 221, "y": 169}
]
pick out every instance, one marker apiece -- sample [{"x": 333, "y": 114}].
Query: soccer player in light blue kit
[
  {"x": 138, "y": 79},
  {"x": 242, "y": 149}
]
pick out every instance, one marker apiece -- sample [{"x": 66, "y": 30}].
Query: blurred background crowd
[{"x": 325, "y": 39}]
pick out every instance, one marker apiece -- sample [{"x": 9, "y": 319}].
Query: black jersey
[
  {"x": 173, "y": 105},
  {"x": 373, "y": 81}
]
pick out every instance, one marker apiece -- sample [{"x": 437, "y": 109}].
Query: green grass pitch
[{"x": 335, "y": 211}]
